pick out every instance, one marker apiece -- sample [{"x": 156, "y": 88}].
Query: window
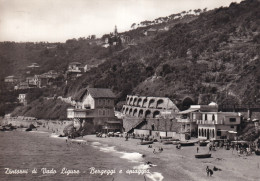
[
  {"x": 104, "y": 112},
  {"x": 232, "y": 119},
  {"x": 206, "y": 117},
  {"x": 218, "y": 132},
  {"x": 213, "y": 117},
  {"x": 100, "y": 112}
]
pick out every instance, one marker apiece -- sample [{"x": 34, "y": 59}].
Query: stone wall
[{"x": 156, "y": 124}]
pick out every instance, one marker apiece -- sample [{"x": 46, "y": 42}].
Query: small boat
[
  {"x": 146, "y": 142},
  {"x": 203, "y": 143},
  {"x": 257, "y": 152},
  {"x": 187, "y": 143},
  {"x": 167, "y": 142},
  {"x": 206, "y": 155}
]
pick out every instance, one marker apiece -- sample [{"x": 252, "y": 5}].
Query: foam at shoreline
[{"x": 131, "y": 157}]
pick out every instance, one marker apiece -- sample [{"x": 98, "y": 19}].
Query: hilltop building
[{"x": 95, "y": 106}]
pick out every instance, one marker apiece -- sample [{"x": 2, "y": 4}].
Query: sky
[{"x": 59, "y": 20}]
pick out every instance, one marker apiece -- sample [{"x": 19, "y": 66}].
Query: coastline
[
  {"x": 178, "y": 164},
  {"x": 174, "y": 161}
]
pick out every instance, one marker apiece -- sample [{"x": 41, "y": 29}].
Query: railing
[
  {"x": 210, "y": 122},
  {"x": 79, "y": 113}
]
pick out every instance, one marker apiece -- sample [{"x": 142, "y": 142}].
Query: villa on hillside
[
  {"x": 11, "y": 79},
  {"x": 22, "y": 99},
  {"x": 76, "y": 69},
  {"x": 95, "y": 106}
]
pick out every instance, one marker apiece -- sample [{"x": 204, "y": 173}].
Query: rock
[{"x": 28, "y": 129}]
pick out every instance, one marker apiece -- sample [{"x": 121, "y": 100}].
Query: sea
[{"x": 40, "y": 155}]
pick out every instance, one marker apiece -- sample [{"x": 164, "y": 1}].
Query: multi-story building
[
  {"x": 149, "y": 115},
  {"x": 207, "y": 123},
  {"x": 217, "y": 125},
  {"x": 95, "y": 106},
  {"x": 188, "y": 118}
]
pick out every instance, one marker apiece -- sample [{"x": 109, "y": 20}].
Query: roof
[
  {"x": 188, "y": 111},
  {"x": 101, "y": 93},
  {"x": 75, "y": 63},
  {"x": 96, "y": 93}
]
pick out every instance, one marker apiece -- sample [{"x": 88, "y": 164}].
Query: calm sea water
[{"x": 40, "y": 151}]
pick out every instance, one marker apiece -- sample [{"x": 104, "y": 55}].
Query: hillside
[{"x": 215, "y": 54}]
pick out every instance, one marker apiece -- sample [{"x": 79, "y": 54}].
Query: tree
[{"x": 133, "y": 25}]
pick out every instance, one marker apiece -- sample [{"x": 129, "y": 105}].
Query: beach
[
  {"x": 116, "y": 153},
  {"x": 182, "y": 164}
]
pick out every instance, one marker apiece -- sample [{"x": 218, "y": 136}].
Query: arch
[
  {"x": 207, "y": 134},
  {"x": 127, "y": 100},
  {"x": 130, "y": 111},
  {"x": 148, "y": 114},
  {"x": 213, "y": 117},
  {"x": 151, "y": 102},
  {"x": 144, "y": 102},
  {"x": 126, "y": 110},
  {"x": 202, "y": 132},
  {"x": 213, "y": 133},
  {"x": 187, "y": 102},
  {"x": 159, "y": 104},
  {"x": 135, "y": 101},
  {"x": 206, "y": 117},
  {"x": 123, "y": 109},
  {"x": 156, "y": 114},
  {"x": 135, "y": 112},
  {"x": 139, "y": 102},
  {"x": 199, "y": 132},
  {"x": 131, "y": 100},
  {"x": 141, "y": 113}
]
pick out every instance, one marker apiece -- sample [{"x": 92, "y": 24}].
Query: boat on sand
[{"x": 205, "y": 155}]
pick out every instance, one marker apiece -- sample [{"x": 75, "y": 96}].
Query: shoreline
[
  {"x": 183, "y": 161},
  {"x": 182, "y": 164}
]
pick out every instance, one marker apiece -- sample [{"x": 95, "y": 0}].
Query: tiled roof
[{"x": 96, "y": 93}]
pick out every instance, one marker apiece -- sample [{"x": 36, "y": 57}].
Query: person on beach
[
  {"x": 209, "y": 171},
  {"x": 154, "y": 151},
  {"x": 197, "y": 149}
]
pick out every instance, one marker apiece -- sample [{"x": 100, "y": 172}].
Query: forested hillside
[{"x": 214, "y": 54}]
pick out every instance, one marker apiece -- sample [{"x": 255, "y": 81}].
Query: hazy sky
[{"x": 59, "y": 20}]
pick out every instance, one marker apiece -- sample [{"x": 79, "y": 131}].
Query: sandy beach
[{"x": 233, "y": 166}]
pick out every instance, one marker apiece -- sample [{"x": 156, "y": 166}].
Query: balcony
[
  {"x": 79, "y": 113},
  {"x": 210, "y": 122}
]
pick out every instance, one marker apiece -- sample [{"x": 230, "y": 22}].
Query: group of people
[{"x": 160, "y": 149}]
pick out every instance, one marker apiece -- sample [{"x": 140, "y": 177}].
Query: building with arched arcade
[
  {"x": 148, "y": 107},
  {"x": 149, "y": 113}
]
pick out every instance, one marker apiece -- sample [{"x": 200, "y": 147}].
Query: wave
[
  {"x": 155, "y": 176},
  {"x": 38, "y": 132},
  {"x": 108, "y": 149},
  {"x": 133, "y": 157}
]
